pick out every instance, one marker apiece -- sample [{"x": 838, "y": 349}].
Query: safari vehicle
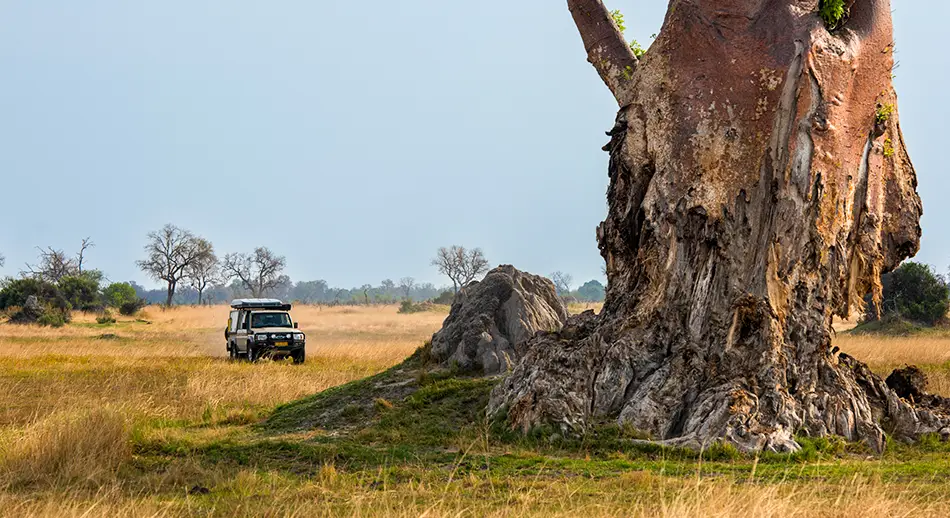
[{"x": 259, "y": 328}]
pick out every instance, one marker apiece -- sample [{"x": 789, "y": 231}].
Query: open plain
[{"x": 147, "y": 417}]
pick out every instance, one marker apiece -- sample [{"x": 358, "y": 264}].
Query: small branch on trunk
[{"x": 606, "y": 47}]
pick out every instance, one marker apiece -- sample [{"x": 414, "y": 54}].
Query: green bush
[
  {"x": 445, "y": 298},
  {"x": 119, "y": 293},
  {"x": 36, "y": 312},
  {"x": 53, "y": 318},
  {"x": 408, "y": 306},
  {"x": 132, "y": 307},
  {"x": 105, "y": 318},
  {"x": 913, "y": 292},
  {"x": 81, "y": 291},
  {"x": 16, "y": 292}
]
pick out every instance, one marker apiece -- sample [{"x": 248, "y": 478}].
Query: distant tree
[
  {"x": 86, "y": 244},
  {"x": 259, "y": 272},
  {"x": 562, "y": 283},
  {"x": 591, "y": 291},
  {"x": 406, "y": 284},
  {"x": 461, "y": 266},
  {"x": 119, "y": 293},
  {"x": 53, "y": 265},
  {"x": 914, "y": 292},
  {"x": 170, "y": 252},
  {"x": 311, "y": 291},
  {"x": 3, "y": 260},
  {"x": 204, "y": 272}
]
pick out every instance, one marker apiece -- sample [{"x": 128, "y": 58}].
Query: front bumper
[{"x": 272, "y": 349}]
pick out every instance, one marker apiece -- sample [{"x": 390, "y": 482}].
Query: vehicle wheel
[
  {"x": 232, "y": 352},
  {"x": 251, "y": 356},
  {"x": 299, "y": 356}
]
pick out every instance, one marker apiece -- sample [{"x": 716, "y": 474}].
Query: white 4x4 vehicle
[{"x": 260, "y": 328}]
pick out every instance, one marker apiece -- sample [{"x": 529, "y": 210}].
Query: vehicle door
[
  {"x": 232, "y": 326},
  {"x": 243, "y": 330}
]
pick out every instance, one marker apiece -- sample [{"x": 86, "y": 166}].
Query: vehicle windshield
[{"x": 271, "y": 320}]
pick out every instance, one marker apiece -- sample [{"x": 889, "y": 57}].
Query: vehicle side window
[
  {"x": 233, "y": 321},
  {"x": 239, "y": 321}
]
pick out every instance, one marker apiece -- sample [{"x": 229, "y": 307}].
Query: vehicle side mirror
[{"x": 296, "y": 325}]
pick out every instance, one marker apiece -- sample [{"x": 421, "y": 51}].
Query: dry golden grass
[
  {"x": 175, "y": 366},
  {"x": 636, "y": 494},
  {"x": 72, "y": 400},
  {"x": 85, "y": 446}
]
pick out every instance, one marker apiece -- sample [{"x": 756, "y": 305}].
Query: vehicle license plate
[{"x": 280, "y": 344}]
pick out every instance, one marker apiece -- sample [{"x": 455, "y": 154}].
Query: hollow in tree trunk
[{"x": 759, "y": 185}]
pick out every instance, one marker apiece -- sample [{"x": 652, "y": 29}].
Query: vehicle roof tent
[{"x": 260, "y": 304}]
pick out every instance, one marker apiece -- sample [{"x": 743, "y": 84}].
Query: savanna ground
[{"x": 148, "y": 418}]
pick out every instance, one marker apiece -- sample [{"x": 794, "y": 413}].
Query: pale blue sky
[{"x": 482, "y": 118}]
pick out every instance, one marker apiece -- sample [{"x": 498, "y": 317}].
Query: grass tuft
[{"x": 68, "y": 447}]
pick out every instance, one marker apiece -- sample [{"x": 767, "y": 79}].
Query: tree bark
[
  {"x": 759, "y": 185},
  {"x": 170, "y": 294}
]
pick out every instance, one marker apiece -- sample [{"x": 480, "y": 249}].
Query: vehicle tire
[
  {"x": 299, "y": 356},
  {"x": 232, "y": 352},
  {"x": 251, "y": 355}
]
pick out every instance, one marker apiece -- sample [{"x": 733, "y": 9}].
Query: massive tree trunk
[{"x": 759, "y": 185}]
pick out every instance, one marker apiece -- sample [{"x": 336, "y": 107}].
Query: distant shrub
[
  {"x": 16, "y": 293},
  {"x": 913, "y": 292},
  {"x": 132, "y": 307},
  {"x": 445, "y": 298},
  {"x": 36, "y": 302},
  {"x": 81, "y": 291},
  {"x": 105, "y": 318},
  {"x": 53, "y": 318},
  {"x": 408, "y": 306}
]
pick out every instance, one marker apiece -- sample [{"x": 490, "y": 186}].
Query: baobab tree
[{"x": 759, "y": 185}]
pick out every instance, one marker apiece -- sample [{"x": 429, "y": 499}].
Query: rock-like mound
[{"x": 491, "y": 320}]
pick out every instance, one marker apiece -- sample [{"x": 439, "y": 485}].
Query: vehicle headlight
[
  {"x": 298, "y": 337},
  {"x": 261, "y": 338}
]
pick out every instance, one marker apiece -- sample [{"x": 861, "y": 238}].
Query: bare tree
[
  {"x": 205, "y": 271},
  {"x": 3, "y": 260},
  {"x": 86, "y": 244},
  {"x": 562, "y": 283},
  {"x": 259, "y": 272},
  {"x": 53, "y": 265},
  {"x": 406, "y": 284},
  {"x": 461, "y": 266},
  {"x": 170, "y": 252}
]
